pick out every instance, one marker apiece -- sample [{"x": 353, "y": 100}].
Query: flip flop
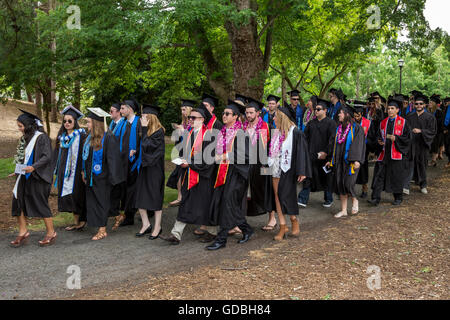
[{"x": 268, "y": 227}]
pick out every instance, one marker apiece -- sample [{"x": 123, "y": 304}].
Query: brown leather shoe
[
  {"x": 20, "y": 240},
  {"x": 295, "y": 228},
  {"x": 282, "y": 234},
  {"x": 172, "y": 240}
]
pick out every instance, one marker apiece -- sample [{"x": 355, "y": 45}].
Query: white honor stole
[
  {"x": 286, "y": 151},
  {"x": 28, "y": 152},
  {"x": 71, "y": 162}
]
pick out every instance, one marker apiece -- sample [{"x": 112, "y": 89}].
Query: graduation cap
[
  {"x": 71, "y": 111},
  {"x": 348, "y": 109},
  {"x": 210, "y": 99},
  {"x": 324, "y": 103},
  {"x": 188, "y": 103},
  {"x": 252, "y": 103},
  {"x": 272, "y": 97},
  {"x": 374, "y": 94},
  {"x": 415, "y": 93},
  {"x": 28, "y": 118},
  {"x": 294, "y": 93},
  {"x": 150, "y": 109},
  {"x": 241, "y": 98},
  {"x": 421, "y": 97},
  {"x": 287, "y": 112},
  {"x": 203, "y": 111},
  {"x": 117, "y": 105},
  {"x": 435, "y": 98},
  {"x": 133, "y": 104},
  {"x": 447, "y": 99},
  {"x": 98, "y": 114},
  {"x": 395, "y": 102},
  {"x": 405, "y": 97},
  {"x": 358, "y": 109},
  {"x": 358, "y": 103},
  {"x": 237, "y": 109}
]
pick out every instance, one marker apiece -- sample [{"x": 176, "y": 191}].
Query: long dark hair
[
  {"x": 348, "y": 119},
  {"x": 30, "y": 127},
  {"x": 63, "y": 130}
]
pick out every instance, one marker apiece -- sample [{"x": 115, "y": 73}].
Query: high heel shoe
[
  {"x": 295, "y": 228},
  {"x": 20, "y": 240},
  {"x": 282, "y": 234},
  {"x": 157, "y": 236},
  {"x": 148, "y": 230},
  {"x": 47, "y": 241}
]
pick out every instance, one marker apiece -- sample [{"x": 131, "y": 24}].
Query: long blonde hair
[
  {"x": 184, "y": 118},
  {"x": 153, "y": 124},
  {"x": 285, "y": 123},
  {"x": 97, "y": 132}
]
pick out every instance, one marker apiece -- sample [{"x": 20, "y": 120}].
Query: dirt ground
[{"x": 410, "y": 244}]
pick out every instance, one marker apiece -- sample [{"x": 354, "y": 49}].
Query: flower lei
[
  {"x": 255, "y": 132},
  {"x": 308, "y": 117},
  {"x": 341, "y": 137},
  {"x": 226, "y": 137},
  {"x": 276, "y": 143},
  {"x": 19, "y": 158}
]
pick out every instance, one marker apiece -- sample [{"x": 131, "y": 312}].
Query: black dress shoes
[
  {"x": 148, "y": 230},
  {"x": 157, "y": 236},
  {"x": 374, "y": 202},
  {"x": 172, "y": 240},
  {"x": 397, "y": 202},
  {"x": 246, "y": 237},
  {"x": 216, "y": 245}
]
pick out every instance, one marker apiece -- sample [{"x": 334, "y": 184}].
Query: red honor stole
[
  {"x": 399, "y": 125},
  {"x": 223, "y": 167},
  {"x": 193, "y": 177},
  {"x": 365, "y": 123},
  {"x": 264, "y": 134},
  {"x": 211, "y": 122}
]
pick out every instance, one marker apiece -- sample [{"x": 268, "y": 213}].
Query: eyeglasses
[
  {"x": 227, "y": 113},
  {"x": 193, "y": 118},
  {"x": 69, "y": 121}
]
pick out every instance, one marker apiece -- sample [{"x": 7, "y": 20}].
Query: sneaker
[
  {"x": 406, "y": 191},
  {"x": 424, "y": 190},
  {"x": 301, "y": 204},
  {"x": 327, "y": 204}
]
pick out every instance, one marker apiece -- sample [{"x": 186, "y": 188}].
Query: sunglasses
[
  {"x": 295, "y": 99},
  {"x": 419, "y": 103},
  {"x": 193, "y": 118},
  {"x": 69, "y": 121},
  {"x": 227, "y": 113},
  {"x": 318, "y": 109}
]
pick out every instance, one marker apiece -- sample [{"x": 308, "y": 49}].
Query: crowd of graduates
[{"x": 248, "y": 163}]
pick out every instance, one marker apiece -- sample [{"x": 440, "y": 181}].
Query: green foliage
[{"x": 7, "y": 166}]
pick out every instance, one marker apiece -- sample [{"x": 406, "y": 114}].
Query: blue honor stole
[{"x": 348, "y": 142}]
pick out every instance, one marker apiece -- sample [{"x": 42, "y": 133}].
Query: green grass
[
  {"x": 169, "y": 147},
  {"x": 62, "y": 219},
  {"x": 169, "y": 194},
  {"x": 7, "y": 166}
]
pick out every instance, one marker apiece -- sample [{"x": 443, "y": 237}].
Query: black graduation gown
[
  {"x": 389, "y": 175},
  {"x": 75, "y": 202},
  {"x": 195, "y": 203},
  {"x": 343, "y": 182},
  {"x": 363, "y": 174},
  {"x": 131, "y": 177},
  {"x": 227, "y": 200},
  {"x": 438, "y": 140},
  {"x": 172, "y": 181},
  {"x": 446, "y": 134},
  {"x": 33, "y": 193},
  {"x": 421, "y": 144},
  {"x": 320, "y": 138},
  {"x": 150, "y": 181},
  {"x": 98, "y": 196},
  {"x": 262, "y": 198},
  {"x": 300, "y": 166}
]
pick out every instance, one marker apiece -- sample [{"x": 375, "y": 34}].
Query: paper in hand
[
  {"x": 326, "y": 169},
  {"x": 20, "y": 169},
  {"x": 177, "y": 161}
]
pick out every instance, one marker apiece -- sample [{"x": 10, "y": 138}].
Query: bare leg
[
  {"x": 344, "y": 199},
  {"x": 179, "y": 189},
  {"x": 276, "y": 181},
  {"x": 157, "y": 227},
  {"x": 49, "y": 225},
  {"x": 22, "y": 224},
  {"x": 144, "y": 218}
]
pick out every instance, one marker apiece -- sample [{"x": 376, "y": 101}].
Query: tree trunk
[
  {"x": 47, "y": 106},
  {"x": 17, "y": 92},
  {"x": 77, "y": 94},
  {"x": 54, "y": 106},
  {"x": 246, "y": 55},
  {"x": 38, "y": 103}
]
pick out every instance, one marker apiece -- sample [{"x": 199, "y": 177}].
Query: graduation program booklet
[
  {"x": 326, "y": 169},
  {"x": 20, "y": 168},
  {"x": 177, "y": 161}
]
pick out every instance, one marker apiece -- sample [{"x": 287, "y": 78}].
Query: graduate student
[
  {"x": 347, "y": 157},
  {"x": 197, "y": 180},
  {"x": 32, "y": 188},
  {"x": 211, "y": 103},
  {"x": 296, "y": 109},
  {"x": 438, "y": 142},
  {"x": 130, "y": 110},
  {"x": 68, "y": 168},
  {"x": 174, "y": 180},
  {"x": 262, "y": 199},
  {"x": 102, "y": 169},
  {"x": 424, "y": 128},
  {"x": 370, "y": 140},
  {"x": 394, "y": 136},
  {"x": 118, "y": 127},
  {"x": 319, "y": 134},
  {"x": 335, "y": 96},
  {"x": 150, "y": 181},
  {"x": 230, "y": 187},
  {"x": 290, "y": 164}
]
